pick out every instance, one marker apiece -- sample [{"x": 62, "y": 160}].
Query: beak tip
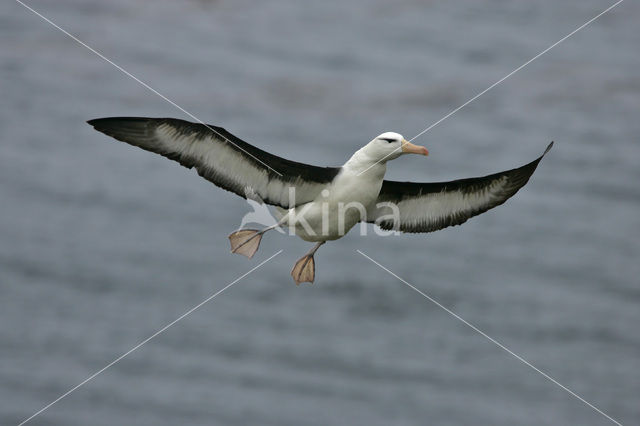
[{"x": 410, "y": 148}]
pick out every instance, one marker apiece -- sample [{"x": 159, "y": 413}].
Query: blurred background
[{"x": 102, "y": 244}]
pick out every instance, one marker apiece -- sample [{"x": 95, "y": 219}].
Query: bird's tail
[{"x": 279, "y": 212}]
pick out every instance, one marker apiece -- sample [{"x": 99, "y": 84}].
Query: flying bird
[{"x": 319, "y": 204}]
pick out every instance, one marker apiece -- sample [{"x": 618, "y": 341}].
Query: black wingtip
[
  {"x": 133, "y": 130},
  {"x": 99, "y": 123},
  {"x": 548, "y": 149},
  {"x": 106, "y": 125}
]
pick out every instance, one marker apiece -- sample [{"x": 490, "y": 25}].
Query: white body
[{"x": 343, "y": 203}]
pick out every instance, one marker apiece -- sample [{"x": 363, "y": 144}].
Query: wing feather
[
  {"x": 428, "y": 207},
  {"x": 221, "y": 158}
]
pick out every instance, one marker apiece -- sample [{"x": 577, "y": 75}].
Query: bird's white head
[{"x": 391, "y": 145}]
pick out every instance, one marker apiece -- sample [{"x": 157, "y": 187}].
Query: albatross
[{"x": 319, "y": 204}]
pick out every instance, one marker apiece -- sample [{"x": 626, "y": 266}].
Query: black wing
[
  {"x": 428, "y": 207},
  {"x": 221, "y": 158}
]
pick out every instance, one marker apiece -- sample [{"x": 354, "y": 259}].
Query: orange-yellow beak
[{"x": 410, "y": 148}]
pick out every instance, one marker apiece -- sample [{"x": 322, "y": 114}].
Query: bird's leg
[
  {"x": 247, "y": 241},
  {"x": 305, "y": 268}
]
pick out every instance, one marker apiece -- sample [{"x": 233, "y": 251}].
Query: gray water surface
[{"x": 102, "y": 244}]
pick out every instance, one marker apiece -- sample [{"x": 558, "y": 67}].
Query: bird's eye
[{"x": 388, "y": 140}]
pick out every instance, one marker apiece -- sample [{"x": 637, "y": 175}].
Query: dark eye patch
[{"x": 388, "y": 140}]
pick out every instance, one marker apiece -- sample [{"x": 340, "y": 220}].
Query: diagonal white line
[
  {"x": 494, "y": 341},
  {"x": 163, "y": 329},
  {"x": 77, "y": 40},
  {"x": 516, "y": 70},
  {"x": 501, "y": 80}
]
